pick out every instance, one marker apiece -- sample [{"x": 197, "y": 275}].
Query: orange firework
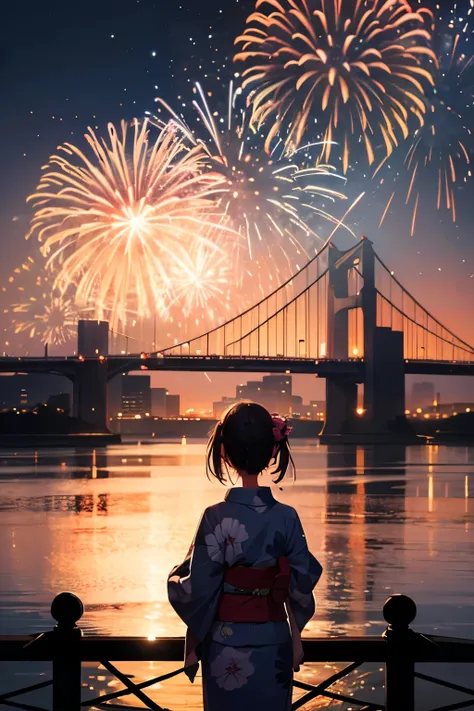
[
  {"x": 52, "y": 318},
  {"x": 112, "y": 223},
  {"x": 343, "y": 69},
  {"x": 440, "y": 152}
]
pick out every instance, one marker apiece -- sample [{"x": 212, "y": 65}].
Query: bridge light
[
  {"x": 407, "y": 412},
  {"x": 468, "y": 409},
  {"x": 355, "y": 351},
  {"x": 360, "y": 411},
  {"x": 101, "y": 358},
  {"x": 138, "y": 417},
  {"x": 119, "y": 414},
  {"x": 81, "y": 358},
  {"x": 143, "y": 356}
]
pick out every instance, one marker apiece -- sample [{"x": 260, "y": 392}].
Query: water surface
[{"x": 109, "y": 525}]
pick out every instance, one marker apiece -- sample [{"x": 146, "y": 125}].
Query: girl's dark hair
[{"x": 244, "y": 440}]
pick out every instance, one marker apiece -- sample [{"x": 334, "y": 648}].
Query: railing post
[
  {"x": 398, "y": 612},
  {"x": 66, "y": 609}
]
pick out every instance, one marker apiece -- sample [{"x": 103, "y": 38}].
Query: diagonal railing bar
[
  {"x": 124, "y": 708},
  {"x": 25, "y": 707},
  {"x": 126, "y": 692},
  {"x": 25, "y": 690},
  {"x": 133, "y": 689},
  {"x": 251, "y": 308},
  {"x": 365, "y": 705},
  {"x": 280, "y": 310},
  {"x": 453, "y": 707},
  {"x": 317, "y": 690},
  {"x": 468, "y": 349},
  {"x": 447, "y": 684},
  {"x": 415, "y": 301}
]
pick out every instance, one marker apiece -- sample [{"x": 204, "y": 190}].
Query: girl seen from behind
[{"x": 245, "y": 588}]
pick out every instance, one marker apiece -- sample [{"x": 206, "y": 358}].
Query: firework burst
[
  {"x": 356, "y": 65},
  {"x": 271, "y": 202},
  {"x": 51, "y": 318},
  {"x": 201, "y": 283},
  {"x": 440, "y": 154},
  {"x": 112, "y": 222}
]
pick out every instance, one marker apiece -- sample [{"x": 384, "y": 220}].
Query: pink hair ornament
[{"x": 281, "y": 430}]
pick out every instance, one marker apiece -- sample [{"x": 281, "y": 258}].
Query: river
[{"x": 110, "y": 525}]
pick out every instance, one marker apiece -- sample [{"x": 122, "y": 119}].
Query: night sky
[{"x": 65, "y": 66}]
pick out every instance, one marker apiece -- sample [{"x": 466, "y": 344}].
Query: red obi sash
[{"x": 262, "y": 597}]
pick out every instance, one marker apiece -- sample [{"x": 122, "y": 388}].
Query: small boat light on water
[{"x": 184, "y": 440}]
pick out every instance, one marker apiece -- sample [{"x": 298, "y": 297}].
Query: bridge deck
[{"x": 324, "y": 367}]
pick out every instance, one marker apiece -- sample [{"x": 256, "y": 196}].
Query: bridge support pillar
[
  {"x": 384, "y": 398},
  {"x": 90, "y": 393},
  {"x": 341, "y": 405}
]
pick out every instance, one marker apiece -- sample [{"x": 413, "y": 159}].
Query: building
[
  {"x": 60, "y": 402},
  {"x": 173, "y": 405},
  {"x": 275, "y": 393},
  {"x": 92, "y": 338},
  {"x": 219, "y": 407},
  {"x": 136, "y": 395},
  {"x": 422, "y": 395},
  {"x": 158, "y": 402},
  {"x": 25, "y": 391},
  {"x": 317, "y": 410}
]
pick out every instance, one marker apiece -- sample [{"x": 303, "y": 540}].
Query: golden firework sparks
[{"x": 351, "y": 70}]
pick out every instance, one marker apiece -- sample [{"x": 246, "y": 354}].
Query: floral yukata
[{"x": 244, "y": 664}]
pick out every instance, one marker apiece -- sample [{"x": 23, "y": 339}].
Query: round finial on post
[
  {"x": 399, "y": 611},
  {"x": 67, "y": 609}
]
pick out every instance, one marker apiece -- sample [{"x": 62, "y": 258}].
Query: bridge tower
[
  {"x": 341, "y": 392},
  {"x": 384, "y": 374}
]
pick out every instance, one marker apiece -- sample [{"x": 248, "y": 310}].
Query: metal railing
[{"x": 399, "y": 648}]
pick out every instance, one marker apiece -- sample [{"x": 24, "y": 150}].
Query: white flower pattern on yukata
[
  {"x": 225, "y": 543},
  {"x": 232, "y": 668}
]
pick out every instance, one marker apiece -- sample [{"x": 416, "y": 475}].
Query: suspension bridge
[{"x": 343, "y": 317}]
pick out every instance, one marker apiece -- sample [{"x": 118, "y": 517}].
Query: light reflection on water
[{"x": 109, "y": 525}]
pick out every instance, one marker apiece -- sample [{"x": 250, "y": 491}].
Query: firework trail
[
  {"x": 271, "y": 202},
  {"x": 112, "y": 223},
  {"x": 439, "y": 156},
  {"x": 346, "y": 70}
]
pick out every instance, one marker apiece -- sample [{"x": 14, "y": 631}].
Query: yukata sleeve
[
  {"x": 305, "y": 573},
  {"x": 195, "y": 585}
]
